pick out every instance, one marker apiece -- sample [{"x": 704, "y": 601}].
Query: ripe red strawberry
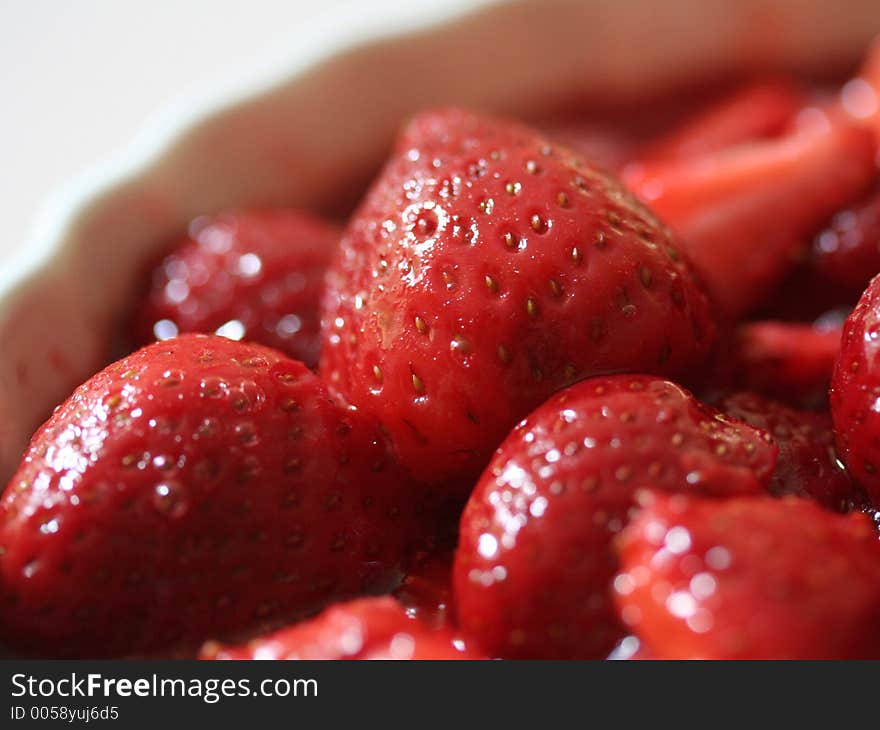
[
  {"x": 630, "y": 648},
  {"x": 256, "y": 275},
  {"x": 808, "y": 465},
  {"x": 426, "y": 591},
  {"x": 369, "y": 628},
  {"x": 486, "y": 269},
  {"x": 788, "y": 361},
  {"x": 855, "y": 392},
  {"x": 756, "y": 110},
  {"x": 750, "y": 578},
  {"x": 847, "y": 252},
  {"x": 534, "y": 562},
  {"x": 746, "y": 212},
  {"x": 196, "y": 487}
]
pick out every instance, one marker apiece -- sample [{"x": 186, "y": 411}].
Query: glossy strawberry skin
[
  {"x": 486, "y": 269},
  {"x": 750, "y": 578},
  {"x": 630, "y": 648},
  {"x": 368, "y": 628},
  {"x": 260, "y": 270},
  {"x": 847, "y": 252},
  {"x": 426, "y": 590},
  {"x": 197, "y": 487},
  {"x": 808, "y": 465},
  {"x": 534, "y": 563},
  {"x": 855, "y": 388},
  {"x": 745, "y": 213}
]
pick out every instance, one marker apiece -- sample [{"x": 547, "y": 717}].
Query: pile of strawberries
[{"x": 536, "y": 400}]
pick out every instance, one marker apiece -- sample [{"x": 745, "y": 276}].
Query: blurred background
[{"x": 79, "y": 78}]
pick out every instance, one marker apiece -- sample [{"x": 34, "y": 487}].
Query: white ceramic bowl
[{"x": 310, "y": 131}]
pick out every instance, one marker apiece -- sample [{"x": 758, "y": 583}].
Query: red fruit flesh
[
  {"x": 197, "y": 487},
  {"x": 746, "y": 213},
  {"x": 787, "y": 361},
  {"x": 534, "y": 563},
  {"x": 808, "y": 465},
  {"x": 750, "y": 578},
  {"x": 757, "y": 110},
  {"x": 487, "y": 269},
  {"x": 855, "y": 392},
  {"x": 256, "y": 275},
  {"x": 370, "y": 628},
  {"x": 860, "y": 97},
  {"x": 847, "y": 252},
  {"x": 807, "y": 296}
]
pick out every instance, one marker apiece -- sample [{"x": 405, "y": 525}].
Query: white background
[{"x": 78, "y": 78}]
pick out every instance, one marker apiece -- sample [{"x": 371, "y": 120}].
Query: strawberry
[
  {"x": 847, "y": 252},
  {"x": 197, "y": 487},
  {"x": 426, "y": 591},
  {"x": 486, "y": 269},
  {"x": 855, "y": 388},
  {"x": 629, "y": 648},
  {"x": 534, "y": 562},
  {"x": 788, "y": 361},
  {"x": 750, "y": 578},
  {"x": 808, "y": 465},
  {"x": 756, "y": 110},
  {"x": 860, "y": 97},
  {"x": 746, "y": 212},
  {"x": 255, "y": 275},
  {"x": 602, "y": 145},
  {"x": 368, "y": 628},
  {"x": 808, "y": 296}
]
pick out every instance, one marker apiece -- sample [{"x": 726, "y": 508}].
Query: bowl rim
[{"x": 320, "y": 39}]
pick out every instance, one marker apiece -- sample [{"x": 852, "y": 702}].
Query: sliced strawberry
[
  {"x": 756, "y": 110},
  {"x": 746, "y": 212},
  {"x": 486, "y": 269},
  {"x": 750, "y": 578},
  {"x": 369, "y": 628},
  {"x": 788, "y": 361},
  {"x": 197, "y": 487},
  {"x": 256, "y": 275},
  {"x": 807, "y": 296},
  {"x": 860, "y": 97},
  {"x": 808, "y": 465},
  {"x": 847, "y": 252},
  {"x": 855, "y": 392},
  {"x": 534, "y": 562}
]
